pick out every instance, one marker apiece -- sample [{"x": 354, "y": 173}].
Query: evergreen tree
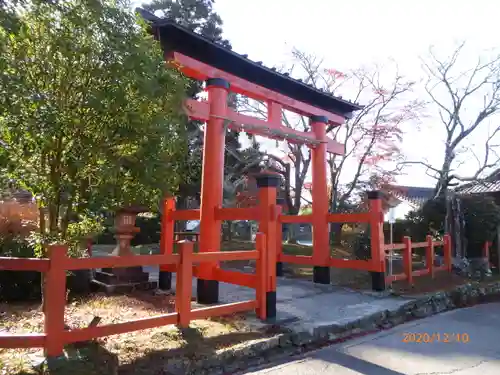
[
  {"x": 199, "y": 16},
  {"x": 89, "y": 114},
  {"x": 195, "y": 15}
]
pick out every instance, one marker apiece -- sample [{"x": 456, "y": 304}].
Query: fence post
[
  {"x": 279, "y": 237},
  {"x": 447, "y": 251},
  {"x": 54, "y": 300},
  {"x": 377, "y": 240},
  {"x": 89, "y": 247},
  {"x": 261, "y": 271},
  {"x": 268, "y": 184},
  {"x": 408, "y": 260},
  {"x": 166, "y": 242},
  {"x": 486, "y": 250},
  {"x": 429, "y": 255},
  {"x": 184, "y": 283}
]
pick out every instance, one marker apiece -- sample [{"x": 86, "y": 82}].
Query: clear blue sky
[{"x": 356, "y": 32}]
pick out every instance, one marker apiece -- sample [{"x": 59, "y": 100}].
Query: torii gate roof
[{"x": 175, "y": 38}]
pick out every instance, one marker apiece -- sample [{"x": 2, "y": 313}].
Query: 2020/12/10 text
[{"x": 428, "y": 338}]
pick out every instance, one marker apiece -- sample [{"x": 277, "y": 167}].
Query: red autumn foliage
[{"x": 17, "y": 219}]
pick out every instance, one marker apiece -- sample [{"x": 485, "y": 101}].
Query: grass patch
[
  {"x": 139, "y": 352},
  {"x": 353, "y": 279},
  {"x": 233, "y": 245},
  {"x": 442, "y": 281}
]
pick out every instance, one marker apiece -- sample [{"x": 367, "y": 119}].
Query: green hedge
[
  {"x": 481, "y": 215},
  {"x": 400, "y": 229},
  {"x": 26, "y": 285},
  {"x": 18, "y": 285}
]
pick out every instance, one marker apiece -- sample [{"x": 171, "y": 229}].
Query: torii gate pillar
[
  {"x": 211, "y": 187},
  {"x": 321, "y": 244}
]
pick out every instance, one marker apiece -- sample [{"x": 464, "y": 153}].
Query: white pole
[
  {"x": 392, "y": 220},
  {"x": 390, "y": 251}
]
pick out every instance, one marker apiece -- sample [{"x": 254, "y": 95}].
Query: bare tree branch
[
  {"x": 371, "y": 136},
  {"x": 456, "y": 93}
]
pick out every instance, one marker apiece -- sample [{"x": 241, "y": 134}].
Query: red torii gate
[{"x": 223, "y": 71}]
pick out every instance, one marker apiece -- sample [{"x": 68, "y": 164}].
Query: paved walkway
[
  {"x": 386, "y": 353},
  {"x": 302, "y": 305}
]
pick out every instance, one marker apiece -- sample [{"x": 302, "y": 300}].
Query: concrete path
[
  {"x": 302, "y": 305},
  {"x": 387, "y": 353}
]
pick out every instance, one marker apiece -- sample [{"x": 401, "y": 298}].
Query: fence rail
[
  {"x": 24, "y": 264},
  {"x": 407, "y": 246},
  {"x": 373, "y": 217},
  {"x": 55, "y": 266},
  {"x": 251, "y": 213}
]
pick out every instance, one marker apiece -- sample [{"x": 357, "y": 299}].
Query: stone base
[
  {"x": 123, "y": 280},
  {"x": 271, "y": 305},
  {"x": 378, "y": 281},
  {"x": 281, "y": 318},
  {"x": 165, "y": 280},
  {"x": 124, "y": 288},
  {"x": 207, "y": 291},
  {"x": 279, "y": 269},
  {"x": 321, "y": 275},
  {"x": 476, "y": 268},
  {"x": 479, "y": 268},
  {"x": 126, "y": 274}
]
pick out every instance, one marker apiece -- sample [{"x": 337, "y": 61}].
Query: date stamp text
[{"x": 435, "y": 337}]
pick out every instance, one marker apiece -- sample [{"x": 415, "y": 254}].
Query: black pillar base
[
  {"x": 165, "y": 280},
  {"x": 321, "y": 275},
  {"x": 279, "y": 269},
  {"x": 378, "y": 281},
  {"x": 207, "y": 291},
  {"x": 271, "y": 305}
]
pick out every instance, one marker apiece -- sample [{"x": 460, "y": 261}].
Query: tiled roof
[
  {"x": 197, "y": 46},
  {"x": 479, "y": 187},
  {"x": 491, "y": 184},
  {"x": 413, "y": 194}
]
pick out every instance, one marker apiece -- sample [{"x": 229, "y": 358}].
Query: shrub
[
  {"x": 19, "y": 238},
  {"x": 17, "y": 219},
  {"x": 15, "y": 285},
  {"x": 482, "y": 218},
  {"x": 150, "y": 226},
  {"x": 362, "y": 245},
  {"x": 481, "y": 215},
  {"x": 400, "y": 229}
]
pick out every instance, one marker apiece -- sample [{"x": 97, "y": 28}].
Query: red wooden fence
[
  {"x": 55, "y": 266},
  {"x": 407, "y": 246},
  {"x": 374, "y": 217}
]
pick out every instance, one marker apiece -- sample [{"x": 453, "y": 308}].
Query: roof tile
[{"x": 156, "y": 21}]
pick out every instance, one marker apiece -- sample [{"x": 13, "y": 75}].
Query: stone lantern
[
  {"x": 124, "y": 279},
  {"x": 125, "y": 229}
]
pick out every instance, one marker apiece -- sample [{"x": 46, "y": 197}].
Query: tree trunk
[
  {"x": 227, "y": 231},
  {"x": 42, "y": 226},
  {"x": 180, "y": 204},
  {"x": 53, "y": 218},
  {"x": 67, "y": 217},
  {"x": 454, "y": 225},
  {"x": 443, "y": 181},
  {"x": 290, "y": 235},
  {"x": 336, "y": 233}
]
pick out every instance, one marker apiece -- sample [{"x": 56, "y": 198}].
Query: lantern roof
[{"x": 133, "y": 209}]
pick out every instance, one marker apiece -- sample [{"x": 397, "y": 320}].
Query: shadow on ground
[
  {"x": 459, "y": 341},
  {"x": 91, "y": 358}
]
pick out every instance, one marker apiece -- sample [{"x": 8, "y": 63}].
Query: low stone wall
[{"x": 284, "y": 344}]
